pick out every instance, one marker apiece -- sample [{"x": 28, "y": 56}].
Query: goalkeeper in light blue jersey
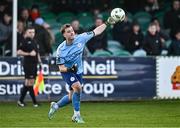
[{"x": 69, "y": 60}]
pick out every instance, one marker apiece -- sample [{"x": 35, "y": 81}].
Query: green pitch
[{"x": 106, "y": 114}]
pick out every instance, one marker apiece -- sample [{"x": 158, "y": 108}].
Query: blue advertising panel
[{"x": 104, "y": 79}]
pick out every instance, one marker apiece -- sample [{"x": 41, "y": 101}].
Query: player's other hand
[
  {"x": 73, "y": 69},
  {"x": 32, "y": 53}
]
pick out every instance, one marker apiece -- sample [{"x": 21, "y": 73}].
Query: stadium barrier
[{"x": 105, "y": 79}]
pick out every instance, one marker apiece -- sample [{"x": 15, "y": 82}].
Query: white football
[{"x": 118, "y": 14}]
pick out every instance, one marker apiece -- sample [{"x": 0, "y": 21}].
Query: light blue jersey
[{"x": 72, "y": 54}]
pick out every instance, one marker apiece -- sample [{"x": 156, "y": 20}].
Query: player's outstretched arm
[
  {"x": 98, "y": 30},
  {"x": 117, "y": 15}
]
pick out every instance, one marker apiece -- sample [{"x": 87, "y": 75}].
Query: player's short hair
[{"x": 62, "y": 30}]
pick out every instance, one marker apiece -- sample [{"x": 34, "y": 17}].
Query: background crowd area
[{"x": 151, "y": 27}]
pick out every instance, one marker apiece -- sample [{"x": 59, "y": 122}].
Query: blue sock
[
  {"x": 76, "y": 101},
  {"x": 63, "y": 101}
]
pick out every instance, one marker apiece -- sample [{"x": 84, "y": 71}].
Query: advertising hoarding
[{"x": 104, "y": 79}]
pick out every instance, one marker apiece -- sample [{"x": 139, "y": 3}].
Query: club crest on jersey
[
  {"x": 79, "y": 45},
  {"x": 72, "y": 79}
]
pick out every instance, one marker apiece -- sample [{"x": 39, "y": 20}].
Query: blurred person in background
[
  {"x": 29, "y": 50},
  {"x": 121, "y": 31},
  {"x": 135, "y": 39},
  {"x": 172, "y": 18},
  {"x": 152, "y": 41},
  {"x": 100, "y": 41},
  {"x": 43, "y": 37},
  {"x": 20, "y": 32},
  {"x": 76, "y": 26},
  {"x": 6, "y": 32},
  {"x": 3, "y": 6},
  {"x": 34, "y": 12},
  {"x": 151, "y": 6},
  {"x": 96, "y": 12},
  {"x": 174, "y": 48},
  {"x": 161, "y": 32},
  {"x": 51, "y": 35},
  {"x": 25, "y": 17}
]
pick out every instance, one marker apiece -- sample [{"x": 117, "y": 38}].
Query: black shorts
[{"x": 30, "y": 71}]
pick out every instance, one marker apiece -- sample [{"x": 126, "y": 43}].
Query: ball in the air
[{"x": 118, "y": 14}]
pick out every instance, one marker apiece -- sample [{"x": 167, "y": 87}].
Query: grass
[{"x": 99, "y": 114}]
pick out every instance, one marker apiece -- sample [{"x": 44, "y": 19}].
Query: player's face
[{"x": 69, "y": 33}]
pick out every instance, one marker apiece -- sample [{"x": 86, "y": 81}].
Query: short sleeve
[{"x": 87, "y": 36}]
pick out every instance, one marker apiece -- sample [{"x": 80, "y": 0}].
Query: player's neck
[{"x": 69, "y": 42}]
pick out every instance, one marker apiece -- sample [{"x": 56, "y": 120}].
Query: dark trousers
[{"x": 31, "y": 92}]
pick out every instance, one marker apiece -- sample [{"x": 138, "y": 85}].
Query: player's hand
[
  {"x": 121, "y": 19},
  {"x": 32, "y": 53},
  {"x": 73, "y": 69},
  {"x": 110, "y": 21}
]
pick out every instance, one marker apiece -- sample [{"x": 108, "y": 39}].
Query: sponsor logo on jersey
[{"x": 79, "y": 45}]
